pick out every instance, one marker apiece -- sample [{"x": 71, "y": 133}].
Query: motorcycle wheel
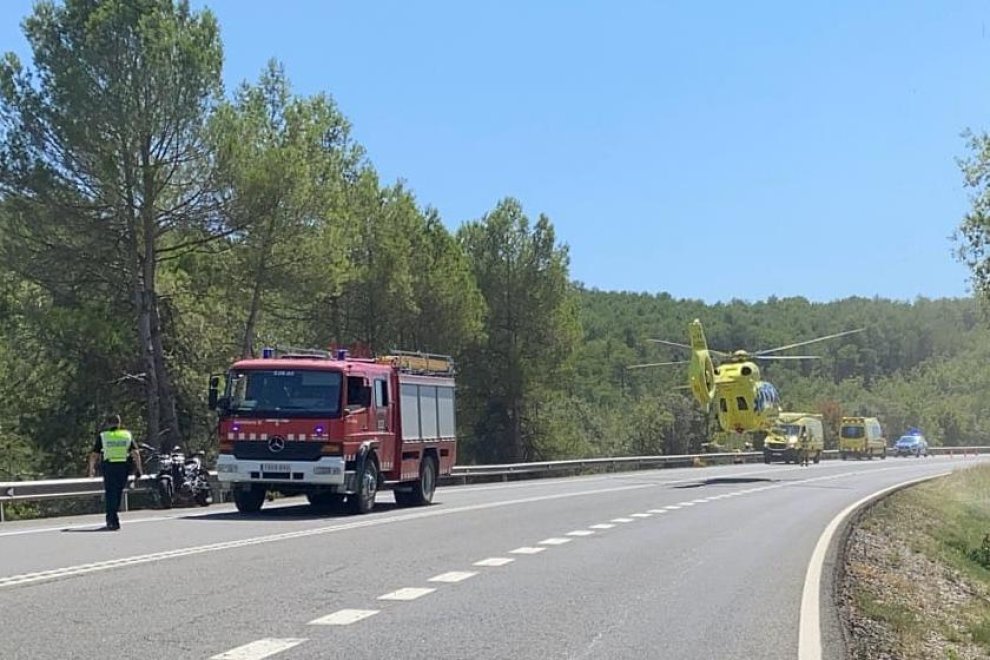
[{"x": 165, "y": 494}]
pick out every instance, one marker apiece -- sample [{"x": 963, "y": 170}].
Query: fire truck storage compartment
[{"x": 427, "y": 410}]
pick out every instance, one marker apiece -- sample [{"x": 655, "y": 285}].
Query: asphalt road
[{"x": 685, "y": 563}]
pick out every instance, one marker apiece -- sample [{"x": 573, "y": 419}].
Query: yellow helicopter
[{"x": 744, "y": 402}]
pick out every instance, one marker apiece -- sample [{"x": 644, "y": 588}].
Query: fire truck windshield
[{"x": 288, "y": 392}]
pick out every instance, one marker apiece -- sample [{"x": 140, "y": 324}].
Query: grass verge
[{"x": 915, "y": 583}]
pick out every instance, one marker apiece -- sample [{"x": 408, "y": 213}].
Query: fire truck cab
[{"x": 335, "y": 428}]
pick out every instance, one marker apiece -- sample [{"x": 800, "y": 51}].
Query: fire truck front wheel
[
  {"x": 363, "y": 500},
  {"x": 249, "y": 500}
]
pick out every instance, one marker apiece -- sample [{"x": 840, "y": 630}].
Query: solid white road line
[
  {"x": 407, "y": 593},
  {"x": 452, "y": 576},
  {"x": 259, "y": 649},
  {"x": 809, "y": 626},
  {"x": 452, "y": 490},
  {"x": 42, "y": 576},
  {"x": 495, "y": 561},
  {"x": 343, "y": 617}
]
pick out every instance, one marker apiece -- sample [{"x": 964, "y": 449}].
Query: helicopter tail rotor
[{"x": 701, "y": 372}]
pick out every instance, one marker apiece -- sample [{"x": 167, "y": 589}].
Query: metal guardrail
[{"x": 15, "y": 491}]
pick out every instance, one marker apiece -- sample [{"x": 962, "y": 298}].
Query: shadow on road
[
  {"x": 725, "y": 481},
  {"x": 290, "y": 512},
  {"x": 88, "y": 530}
]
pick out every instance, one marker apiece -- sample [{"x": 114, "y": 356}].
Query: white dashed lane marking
[
  {"x": 622, "y": 520},
  {"x": 672, "y": 507},
  {"x": 602, "y": 526},
  {"x": 657, "y": 510},
  {"x": 641, "y": 515},
  {"x": 407, "y": 593},
  {"x": 259, "y": 649},
  {"x": 452, "y": 576},
  {"x": 526, "y": 550},
  {"x": 494, "y": 561},
  {"x": 580, "y": 532},
  {"x": 343, "y": 617},
  {"x": 555, "y": 541}
]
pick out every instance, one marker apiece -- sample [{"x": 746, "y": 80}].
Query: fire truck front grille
[{"x": 261, "y": 450}]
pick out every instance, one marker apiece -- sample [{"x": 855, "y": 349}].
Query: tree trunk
[
  {"x": 169, "y": 434},
  {"x": 166, "y": 394},
  {"x": 147, "y": 356},
  {"x": 247, "y": 346},
  {"x": 142, "y": 305}
]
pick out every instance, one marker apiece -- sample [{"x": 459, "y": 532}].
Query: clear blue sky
[{"x": 711, "y": 150}]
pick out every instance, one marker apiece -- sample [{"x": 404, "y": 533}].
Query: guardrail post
[
  {"x": 126, "y": 502},
  {"x": 2, "y": 519}
]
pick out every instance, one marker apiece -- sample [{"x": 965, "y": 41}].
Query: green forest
[{"x": 155, "y": 226}]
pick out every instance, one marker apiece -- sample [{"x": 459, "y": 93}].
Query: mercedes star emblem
[{"x": 276, "y": 444}]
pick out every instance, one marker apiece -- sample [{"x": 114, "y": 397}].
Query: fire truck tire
[
  {"x": 249, "y": 500},
  {"x": 363, "y": 501},
  {"x": 426, "y": 485}
]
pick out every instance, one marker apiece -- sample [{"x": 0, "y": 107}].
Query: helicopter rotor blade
[
  {"x": 656, "y": 364},
  {"x": 810, "y": 341},
  {"x": 687, "y": 346},
  {"x": 669, "y": 343},
  {"x": 785, "y": 357}
]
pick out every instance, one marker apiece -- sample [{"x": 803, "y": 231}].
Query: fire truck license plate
[{"x": 275, "y": 467}]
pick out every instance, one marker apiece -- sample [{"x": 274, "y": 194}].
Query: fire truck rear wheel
[
  {"x": 424, "y": 488},
  {"x": 363, "y": 501},
  {"x": 249, "y": 500}
]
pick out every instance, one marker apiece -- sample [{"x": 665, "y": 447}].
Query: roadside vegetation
[
  {"x": 917, "y": 572},
  {"x": 155, "y": 226}
]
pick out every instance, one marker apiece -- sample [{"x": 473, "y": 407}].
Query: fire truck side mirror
[{"x": 214, "y": 394}]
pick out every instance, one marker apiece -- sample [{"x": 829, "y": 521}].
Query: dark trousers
[{"x": 114, "y": 480}]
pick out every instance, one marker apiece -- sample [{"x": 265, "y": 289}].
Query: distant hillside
[{"x": 920, "y": 363}]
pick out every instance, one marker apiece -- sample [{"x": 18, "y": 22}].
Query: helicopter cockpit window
[{"x": 741, "y": 403}]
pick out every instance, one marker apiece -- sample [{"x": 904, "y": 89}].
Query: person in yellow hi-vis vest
[{"x": 115, "y": 445}]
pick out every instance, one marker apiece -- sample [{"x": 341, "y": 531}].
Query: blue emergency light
[{"x": 267, "y": 353}]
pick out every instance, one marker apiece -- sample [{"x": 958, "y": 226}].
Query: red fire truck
[{"x": 334, "y": 427}]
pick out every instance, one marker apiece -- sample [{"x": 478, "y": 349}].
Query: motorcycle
[{"x": 180, "y": 479}]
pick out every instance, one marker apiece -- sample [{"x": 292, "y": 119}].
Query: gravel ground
[{"x": 897, "y": 603}]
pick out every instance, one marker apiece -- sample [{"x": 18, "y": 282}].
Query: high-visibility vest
[{"x": 116, "y": 445}]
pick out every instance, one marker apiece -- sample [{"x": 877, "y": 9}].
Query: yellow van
[
  {"x": 861, "y": 437},
  {"x": 792, "y": 432}
]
